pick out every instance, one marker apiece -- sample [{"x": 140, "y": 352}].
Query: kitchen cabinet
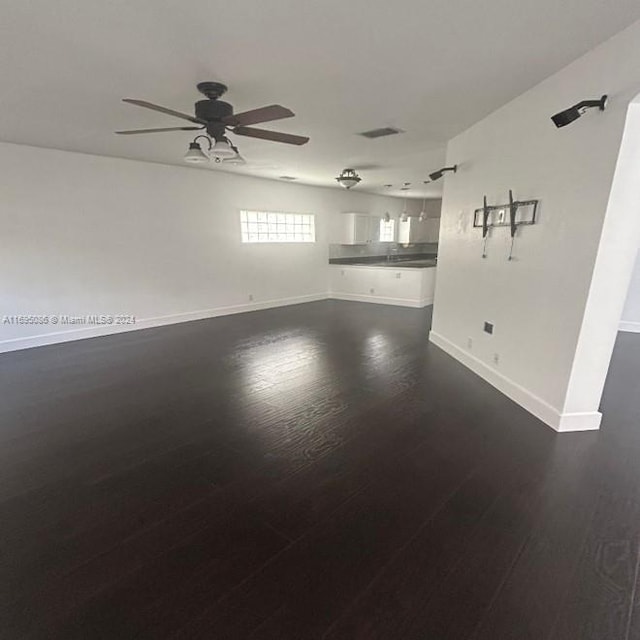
[
  {"x": 433, "y": 230},
  {"x": 357, "y": 228},
  {"x": 406, "y": 287},
  {"x": 415, "y": 231}
]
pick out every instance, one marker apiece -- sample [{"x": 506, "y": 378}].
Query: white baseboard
[
  {"x": 631, "y": 327},
  {"x": 83, "y": 333},
  {"x": 542, "y": 410},
  {"x": 398, "y": 302}
]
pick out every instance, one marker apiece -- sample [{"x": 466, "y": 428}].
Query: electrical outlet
[
  {"x": 372, "y": 290},
  {"x": 488, "y": 328},
  {"x": 496, "y": 358},
  {"x": 250, "y": 297},
  {"x": 469, "y": 343},
  {"x": 399, "y": 275}
]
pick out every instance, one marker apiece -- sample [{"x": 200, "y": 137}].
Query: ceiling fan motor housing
[{"x": 212, "y": 111}]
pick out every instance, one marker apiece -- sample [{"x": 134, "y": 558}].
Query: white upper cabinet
[
  {"x": 433, "y": 229},
  {"x": 357, "y": 228},
  {"x": 415, "y": 231},
  {"x": 412, "y": 230}
]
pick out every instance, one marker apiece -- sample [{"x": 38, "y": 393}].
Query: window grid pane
[
  {"x": 387, "y": 230},
  {"x": 264, "y": 226}
]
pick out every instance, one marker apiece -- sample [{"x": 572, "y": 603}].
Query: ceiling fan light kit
[
  {"x": 236, "y": 158},
  {"x": 195, "y": 154},
  {"x": 348, "y": 178},
  {"x": 222, "y": 150}
]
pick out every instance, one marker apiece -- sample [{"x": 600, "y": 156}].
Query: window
[
  {"x": 387, "y": 229},
  {"x": 262, "y": 226}
]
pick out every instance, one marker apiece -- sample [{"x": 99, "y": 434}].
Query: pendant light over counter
[
  {"x": 406, "y": 186},
  {"x": 423, "y": 214}
]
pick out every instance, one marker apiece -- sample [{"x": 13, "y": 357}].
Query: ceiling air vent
[{"x": 379, "y": 133}]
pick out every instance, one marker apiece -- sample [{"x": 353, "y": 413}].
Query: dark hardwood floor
[{"x": 317, "y": 471}]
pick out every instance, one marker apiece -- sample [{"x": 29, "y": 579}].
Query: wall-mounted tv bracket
[
  {"x": 513, "y": 209},
  {"x": 521, "y": 212},
  {"x": 485, "y": 227}
]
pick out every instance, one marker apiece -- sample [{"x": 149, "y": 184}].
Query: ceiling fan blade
[
  {"x": 274, "y": 136},
  {"x": 263, "y": 114},
  {"x": 135, "y": 131},
  {"x": 170, "y": 112}
]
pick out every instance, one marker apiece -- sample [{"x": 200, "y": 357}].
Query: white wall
[
  {"x": 630, "y": 320},
  {"x": 432, "y": 207},
  {"x": 84, "y": 234},
  {"x": 555, "y": 307}
]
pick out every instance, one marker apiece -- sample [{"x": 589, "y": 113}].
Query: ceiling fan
[{"x": 217, "y": 117}]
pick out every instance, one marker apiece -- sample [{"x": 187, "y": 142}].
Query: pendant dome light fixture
[
  {"x": 348, "y": 178},
  {"x": 195, "y": 154},
  {"x": 423, "y": 214},
  {"x": 405, "y": 216}
]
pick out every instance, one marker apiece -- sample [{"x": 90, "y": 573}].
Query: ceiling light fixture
[
  {"x": 436, "y": 175},
  {"x": 423, "y": 214},
  {"x": 563, "y": 118},
  {"x": 405, "y": 216},
  {"x": 234, "y": 159},
  {"x": 222, "y": 150},
  {"x": 195, "y": 154},
  {"x": 348, "y": 178}
]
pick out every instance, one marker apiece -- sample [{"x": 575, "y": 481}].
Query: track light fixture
[
  {"x": 436, "y": 175},
  {"x": 348, "y": 178},
  {"x": 563, "y": 118},
  {"x": 195, "y": 154}
]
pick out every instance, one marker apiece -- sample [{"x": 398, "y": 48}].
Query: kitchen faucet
[{"x": 391, "y": 248}]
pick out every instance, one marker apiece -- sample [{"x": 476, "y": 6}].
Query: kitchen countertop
[{"x": 419, "y": 263}]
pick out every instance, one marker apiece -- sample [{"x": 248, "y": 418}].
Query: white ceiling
[{"x": 429, "y": 67}]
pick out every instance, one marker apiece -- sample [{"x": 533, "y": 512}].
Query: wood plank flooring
[{"x": 309, "y": 472}]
